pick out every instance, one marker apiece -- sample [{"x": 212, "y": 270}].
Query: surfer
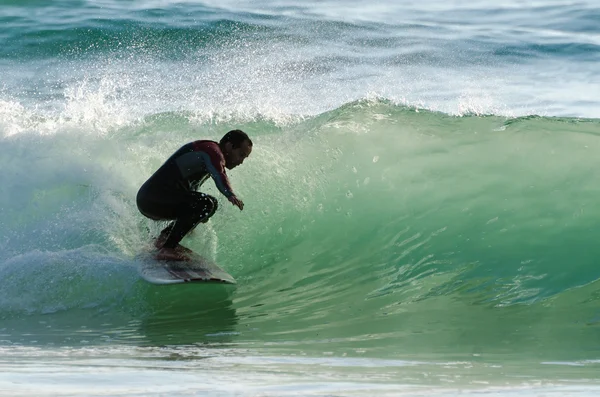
[{"x": 170, "y": 193}]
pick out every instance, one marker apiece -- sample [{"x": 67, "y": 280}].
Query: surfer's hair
[{"x": 236, "y": 137}]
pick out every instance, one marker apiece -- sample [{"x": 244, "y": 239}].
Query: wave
[{"x": 356, "y": 220}]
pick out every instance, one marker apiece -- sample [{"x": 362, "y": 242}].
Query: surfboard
[{"x": 197, "y": 270}]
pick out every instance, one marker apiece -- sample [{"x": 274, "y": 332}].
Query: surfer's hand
[{"x": 236, "y": 201}]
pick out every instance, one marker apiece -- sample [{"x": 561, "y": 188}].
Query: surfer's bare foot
[
  {"x": 181, "y": 248},
  {"x": 171, "y": 254},
  {"x": 160, "y": 240}
]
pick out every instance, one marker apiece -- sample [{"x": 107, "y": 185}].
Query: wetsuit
[{"x": 170, "y": 193}]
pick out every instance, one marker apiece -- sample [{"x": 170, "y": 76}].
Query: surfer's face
[{"x": 236, "y": 156}]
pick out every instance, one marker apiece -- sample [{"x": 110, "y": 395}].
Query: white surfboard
[{"x": 196, "y": 270}]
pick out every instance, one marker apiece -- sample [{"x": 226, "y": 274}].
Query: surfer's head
[{"x": 236, "y": 147}]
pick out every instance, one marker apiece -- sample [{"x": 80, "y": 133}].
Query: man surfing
[{"x": 170, "y": 193}]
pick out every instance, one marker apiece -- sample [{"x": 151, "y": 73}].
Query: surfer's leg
[
  {"x": 162, "y": 237},
  {"x": 209, "y": 207},
  {"x": 199, "y": 208},
  {"x": 159, "y": 242},
  {"x": 160, "y": 205}
]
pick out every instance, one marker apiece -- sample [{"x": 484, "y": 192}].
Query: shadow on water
[
  {"x": 148, "y": 315},
  {"x": 187, "y": 314}
]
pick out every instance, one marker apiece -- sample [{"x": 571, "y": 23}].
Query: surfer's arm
[
  {"x": 217, "y": 172},
  {"x": 215, "y": 165}
]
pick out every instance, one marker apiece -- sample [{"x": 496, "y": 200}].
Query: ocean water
[{"x": 420, "y": 214}]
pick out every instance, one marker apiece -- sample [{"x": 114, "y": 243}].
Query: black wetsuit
[{"x": 170, "y": 193}]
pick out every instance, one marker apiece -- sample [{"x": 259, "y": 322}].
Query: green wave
[{"x": 373, "y": 227}]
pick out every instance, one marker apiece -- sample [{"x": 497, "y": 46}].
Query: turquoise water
[{"x": 420, "y": 210}]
